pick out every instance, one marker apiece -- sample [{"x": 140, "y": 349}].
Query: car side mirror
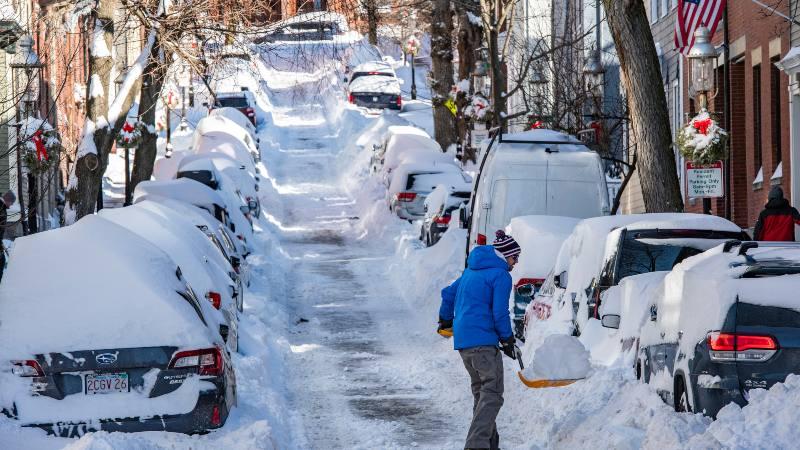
[
  {"x": 653, "y": 313},
  {"x": 245, "y": 209},
  {"x": 526, "y": 290},
  {"x": 611, "y": 321},
  {"x": 560, "y": 280},
  {"x": 253, "y": 205}
]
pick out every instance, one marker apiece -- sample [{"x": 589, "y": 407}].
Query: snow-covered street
[{"x": 337, "y": 341}]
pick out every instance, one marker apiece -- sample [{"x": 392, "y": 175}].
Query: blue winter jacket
[{"x": 478, "y": 301}]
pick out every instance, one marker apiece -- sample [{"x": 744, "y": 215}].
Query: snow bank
[{"x": 560, "y": 357}]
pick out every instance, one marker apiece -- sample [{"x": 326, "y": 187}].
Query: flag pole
[{"x": 727, "y": 111}]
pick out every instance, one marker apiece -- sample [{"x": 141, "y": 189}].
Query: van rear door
[
  {"x": 514, "y": 197},
  {"x": 576, "y": 186}
]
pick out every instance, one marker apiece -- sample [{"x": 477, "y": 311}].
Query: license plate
[{"x": 107, "y": 383}]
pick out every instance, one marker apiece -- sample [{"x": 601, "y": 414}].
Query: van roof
[{"x": 535, "y": 136}]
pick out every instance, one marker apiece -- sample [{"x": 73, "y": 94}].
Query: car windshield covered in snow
[{"x": 232, "y": 102}]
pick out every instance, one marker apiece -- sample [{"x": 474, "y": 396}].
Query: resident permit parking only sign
[{"x": 704, "y": 180}]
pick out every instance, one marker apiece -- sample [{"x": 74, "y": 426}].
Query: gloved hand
[
  {"x": 507, "y": 346},
  {"x": 445, "y": 327}
]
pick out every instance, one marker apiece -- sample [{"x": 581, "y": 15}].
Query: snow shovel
[{"x": 538, "y": 384}]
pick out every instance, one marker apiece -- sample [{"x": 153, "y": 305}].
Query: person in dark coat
[
  {"x": 776, "y": 222},
  {"x": 8, "y": 199},
  {"x": 475, "y": 306}
]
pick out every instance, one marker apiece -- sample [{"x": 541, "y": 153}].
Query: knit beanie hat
[{"x": 506, "y": 244}]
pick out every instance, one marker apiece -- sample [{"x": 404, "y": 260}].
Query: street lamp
[
  {"x": 594, "y": 75},
  {"x": 26, "y": 68},
  {"x": 412, "y": 48},
  {"x": 119, "y": 81},
  {"x": 702, "y": 58}
]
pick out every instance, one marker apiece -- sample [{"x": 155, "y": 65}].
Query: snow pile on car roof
[
  {"x": 540, "y": 238},
  {"x": 117, "y": 288},
  {"x": 182, "y": 189},
  {"x": 375, "y": 84}
]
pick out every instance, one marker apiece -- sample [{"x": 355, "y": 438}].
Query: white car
[
  {"x": 114, "y": 340},
  {"x": 371, "y": 68},
  {"x": 376, "y": 91},
  {"x": 379, "y": 148},
  {"x": 221, "y": 135},
  {"x": 603, "y": 251},
  {"x": 411, "y": 148},
  {"x": 213, "y": 169}
]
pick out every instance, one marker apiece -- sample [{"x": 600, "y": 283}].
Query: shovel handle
[{"x": 518, "y": 353}]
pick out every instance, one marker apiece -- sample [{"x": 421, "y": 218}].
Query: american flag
[{"x": 691, "y": 15}]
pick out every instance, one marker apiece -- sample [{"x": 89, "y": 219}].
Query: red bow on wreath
[
  {"x": 702, "y": 125},
  {"x": 41, "y": 150},
  {"x": 127, "y": 127}
]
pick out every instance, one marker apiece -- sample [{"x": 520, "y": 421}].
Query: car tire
[
  {"x": 428, "y": 241},
  {"x": 680, "y": 395}
]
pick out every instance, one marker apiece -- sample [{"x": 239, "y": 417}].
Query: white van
[{"x": 537, "y": 172}]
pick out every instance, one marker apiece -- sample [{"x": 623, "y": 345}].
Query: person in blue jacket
[{"x": 475, "y": 306}]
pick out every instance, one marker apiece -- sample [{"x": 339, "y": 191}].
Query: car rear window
[
  {"x": 660, "y": 250},
  {"x": 751, "y": 315},
  {"x": 364, "y": 74},
  {"x": 232, "y": 102},
  {"x": 427, "y": 182}
]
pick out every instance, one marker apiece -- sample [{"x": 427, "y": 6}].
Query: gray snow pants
[{"x": 485, "y": 367}]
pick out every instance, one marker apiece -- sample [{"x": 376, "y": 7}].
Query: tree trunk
[
  {"x": 647, "y": 103},
  {"x": 469, "y": 37},
  {"x": 442, "y": 72},
  {"x": 98, "y": 134},
  {"x": 152, "y": 82},
  {"x": 371, "y": 7},
  {"x": 491, "y": 16}
]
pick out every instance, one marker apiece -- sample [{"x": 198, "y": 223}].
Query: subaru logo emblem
[{"x": 106, "y": 358}]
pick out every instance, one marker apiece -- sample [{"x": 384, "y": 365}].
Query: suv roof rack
[{"x": 749, "y": 245}]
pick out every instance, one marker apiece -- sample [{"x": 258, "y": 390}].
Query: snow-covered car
[
  {"x": 195, "y": 255},
  {"x": 314, "y": 26},
  {"x": 411, "y": 184},
  {"x": 188, "y": 191},
  {"x": 221, "y": 135},
  {"x": 243, "y": 121},
  {"x": 376, "y": 91},
  {"x": 371, "y": 68},
  {"x": 537, "y": 172},
  {"x": 220, "y": 172},
  {"x": 244, "y": 101},
  {"x": 379, "y": 148},
  {"x": 128, "y": 350},
  {"x": 411, "y": 148},
  {"x": 541, "y": 238},
  {"x": 439, "y": 207},
  {"x": 726, "y": 322},
  {"x": 602, "y": 251}
]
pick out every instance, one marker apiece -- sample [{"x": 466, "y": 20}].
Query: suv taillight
[
  {"x": 208, "y": 361},
  {"x": 406, "y": 196},
  {"x": 351, "y": 98},
  {"x": 741, "y": 347},
  {"x": 27, "y": 368},
  {"x": 215, "y": 298},
  {"x": 250, "y": 112},
  {"x": 537, "y": 282},
  {"x": 442, "y": 220},
  {"x": 399, "y": 101}
]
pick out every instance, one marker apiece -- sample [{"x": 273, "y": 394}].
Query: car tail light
[
  {"x": 481, "y": 239},
  {"x": 27, "y": 368},
  {"x": 741, "y": 347},
  {"x": 351, "y": 98},
  {"x": 215, "y": 298},
  {"x": 406, "y": 196},
  {"x": 208, "y": 361},
  {"x": 250, "y": 112},
  {"x": 442, "y": 220},
  {"x": 215, "y": 418},
  {"x": 399, "y": 101}
]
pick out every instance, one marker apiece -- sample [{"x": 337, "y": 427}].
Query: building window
[
  {"x": 775, "y": 87},
  {"x": 757, "y": 122}
]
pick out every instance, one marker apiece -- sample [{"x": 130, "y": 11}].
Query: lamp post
[
  {"x": 702, "y": 58},
  {"x": 26, "y": 68},
  {"x": 412, "y": 48},
  {"x": 127, "y": 201}
]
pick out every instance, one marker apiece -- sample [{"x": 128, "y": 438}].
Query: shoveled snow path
[{"x": 348, "y": 369}]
